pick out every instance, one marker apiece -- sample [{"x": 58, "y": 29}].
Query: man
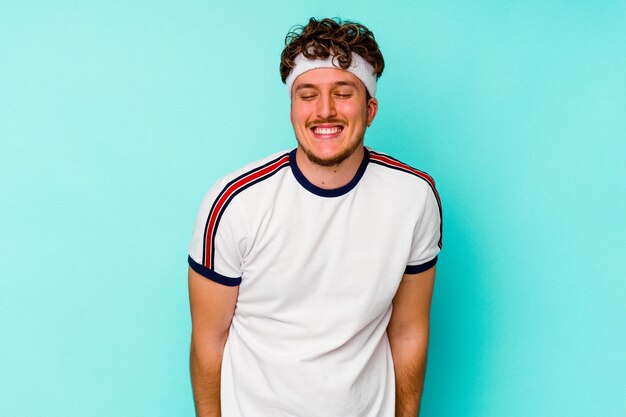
[{"x": 311, "y": 271}]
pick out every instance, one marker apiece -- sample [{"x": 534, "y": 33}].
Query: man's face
[{"x": 329, "y": 114}]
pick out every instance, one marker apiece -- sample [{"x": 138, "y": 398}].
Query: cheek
[
  {"x": 293, "y": 113},
  {"x": 353, "y": 111},
  {"x": 298, "y": 115}
]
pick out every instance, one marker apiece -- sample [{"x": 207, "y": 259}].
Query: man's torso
[{"x": 318, "y": 270}]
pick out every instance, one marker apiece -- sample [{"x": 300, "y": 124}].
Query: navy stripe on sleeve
[
  {"x": 416, "y": 269},
  {"x": 212, "y": 275}
]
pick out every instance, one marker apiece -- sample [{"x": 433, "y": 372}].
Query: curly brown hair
[{"x": 319, "y": 39}]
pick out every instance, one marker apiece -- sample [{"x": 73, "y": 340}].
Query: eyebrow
[
  {"x": 302, "y": 86},
  {"x": 348, "y": 83},
  {"x": 337, "y": 83}
]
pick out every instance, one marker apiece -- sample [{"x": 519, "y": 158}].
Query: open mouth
[{"x": 326, "y": 131}]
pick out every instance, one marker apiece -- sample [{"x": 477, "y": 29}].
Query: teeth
[{"x": 327, "y": 130}]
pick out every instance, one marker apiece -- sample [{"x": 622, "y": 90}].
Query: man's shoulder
[
  {"x": 400, "y": 171},
  {"x": 254, "y": 171}
]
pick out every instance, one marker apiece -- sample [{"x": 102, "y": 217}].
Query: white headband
[{"x": 362, "y": 69}]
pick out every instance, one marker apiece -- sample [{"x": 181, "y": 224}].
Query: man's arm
[
  {"x": 212, "y": 307},
  {"x": 408, "y": 336}
]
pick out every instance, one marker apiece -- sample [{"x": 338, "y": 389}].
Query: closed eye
[{"x": 307, "y": 96}]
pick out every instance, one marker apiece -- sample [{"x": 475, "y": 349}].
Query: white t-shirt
[{"x": 317, "y": 270}]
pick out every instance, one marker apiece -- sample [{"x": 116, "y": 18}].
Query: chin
[
  {"x": 331, "y": 159},
  {"x": 326, "y": 162}
]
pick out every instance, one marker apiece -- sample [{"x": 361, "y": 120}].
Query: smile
[{"x": 326, "y": 130}]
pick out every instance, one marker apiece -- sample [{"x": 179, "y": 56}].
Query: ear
[{"x": 372, "y": 109}]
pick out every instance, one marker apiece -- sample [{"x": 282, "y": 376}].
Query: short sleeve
[
  {"x": 426, "y": 242},
  {"x": 214, "y": 251}
]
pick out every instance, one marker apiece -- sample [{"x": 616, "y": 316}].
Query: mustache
[{"x": 330, "y": 120}]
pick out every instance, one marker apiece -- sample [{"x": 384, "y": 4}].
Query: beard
[{"x": 335, "y": 160}]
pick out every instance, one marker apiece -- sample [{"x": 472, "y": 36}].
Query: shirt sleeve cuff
[
  {"x": 212, "y": 275},
  {"x": 416, "y": 269}
]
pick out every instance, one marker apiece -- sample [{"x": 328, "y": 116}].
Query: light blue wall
[{"x": 115, "y": 117}]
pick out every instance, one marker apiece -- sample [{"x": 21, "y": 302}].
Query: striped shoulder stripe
[
  {"x": 387, "y": 161},
  {"x": 227, "y": 194}
]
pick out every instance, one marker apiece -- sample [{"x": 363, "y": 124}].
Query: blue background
[{"x": 116, "y": 117}]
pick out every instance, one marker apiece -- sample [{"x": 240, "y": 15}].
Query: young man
[{"x": 311, "y": 271}]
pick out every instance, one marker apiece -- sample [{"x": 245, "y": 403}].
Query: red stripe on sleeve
[{"x": 219, "y": 206}]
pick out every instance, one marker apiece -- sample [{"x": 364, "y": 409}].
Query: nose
[{"x": 326, "y": 106}]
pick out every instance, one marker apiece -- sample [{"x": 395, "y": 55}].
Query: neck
[{"x": 330, "y": 177}]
